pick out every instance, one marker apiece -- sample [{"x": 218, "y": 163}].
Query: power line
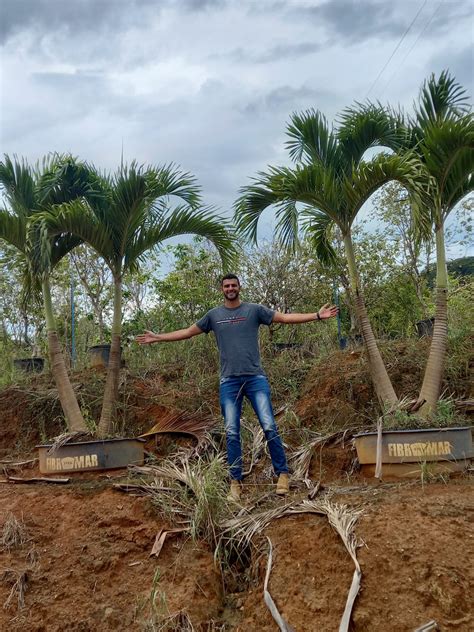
[
  {"x": 412, "y": 47},
  {"x": 396, "y": 48}
]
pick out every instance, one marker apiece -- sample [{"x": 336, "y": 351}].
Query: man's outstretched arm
[
  {"x": 149, "y": 337},
  {"x": 326, "y": 311}
]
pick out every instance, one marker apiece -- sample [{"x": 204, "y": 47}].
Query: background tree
[
  {"x": 333, "y": 181},
  {"x": 28, "y": 192},
  {"x": 441, "y": 131},
  {"x": 131, "y": 214}
]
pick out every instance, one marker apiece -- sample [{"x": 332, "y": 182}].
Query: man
[{"x": 235, "y": 325}]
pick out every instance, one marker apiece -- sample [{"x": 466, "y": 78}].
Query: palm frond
[
  {"x": 440, "y": 99},
  {"x": 448, "y": 152},
  {"x": 13, "y": 229},
  {"x": 311, "y": 139},
  {"x": 183, "y": 220},
  {"x": 314, "y": 185},
  {"x": 64, "y": 178},
  {"x": 170, "y": 180},
  {"x": 366, "y": 125},
  {"x": 319, "y": 227},
  {"x": 407, "y": 170},
  {"x": 182, "y": 422},
  {"x": 287, "y": 225},
  {"x": 250, "y": 205},
  {"x": 17, "y": 181},
  {"x": 63, "y": 226}
]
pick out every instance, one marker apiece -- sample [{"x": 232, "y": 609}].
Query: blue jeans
[{"x": 257, "y": 391}]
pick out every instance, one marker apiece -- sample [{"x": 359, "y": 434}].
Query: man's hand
[
  {"x": 147, "y": 338},
  {"x": 328, "y": 311}
]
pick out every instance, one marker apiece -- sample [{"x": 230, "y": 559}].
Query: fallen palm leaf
[
  {"x": 431, "y": 626},
  {"x": 14, "y": 464},
  {"x": 343, "y": 520},
  {"x": 301, "y": 459},
  {"x": 161, "y": 537},
  {"x": 67, "y": 437},
  {"x": 182, "y": 422},
  {"x": 241, "y": 529},
  {"x": 257, "y": 445},
  {"x": 280, "y": 621}
]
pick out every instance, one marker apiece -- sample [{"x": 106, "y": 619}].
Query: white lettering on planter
[
  {"x": 430, "y": 448},
  {"x": 72, "y": 462}
]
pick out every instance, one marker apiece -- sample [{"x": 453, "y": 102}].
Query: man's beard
[{"x": 234, "y": 293}]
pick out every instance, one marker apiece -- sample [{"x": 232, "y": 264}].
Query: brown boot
[
  {"x": 235, "y": 491},
  {"x": 283, "y": 484}
]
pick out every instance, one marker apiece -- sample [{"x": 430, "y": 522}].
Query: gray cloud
[
  {"x": 358, "y": 20},
  {"x": 287, "y": 99},
  {"x": 208, "y": 84},
  {"x": 93, "y": 16},
  {"x": 460, "y": 64},
  {"x": 78, "y": 16},
  {"x": 269, "y": 55}
]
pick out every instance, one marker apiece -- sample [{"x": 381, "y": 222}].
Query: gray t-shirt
[{"x": 236, "y": 331}]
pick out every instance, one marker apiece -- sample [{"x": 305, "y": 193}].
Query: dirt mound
[
  {"x": 417, "y": 543},
  {"x": 338, "y": 391},
  {"x": 88, "y": 566}
]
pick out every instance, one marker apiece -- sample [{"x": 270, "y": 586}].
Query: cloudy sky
[{"x": 210, "y": 84}]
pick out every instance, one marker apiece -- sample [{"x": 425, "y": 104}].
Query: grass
[
  {"x": 195, "y": 494},
  {"x": 18, "y": 581},
  {"x": 14, "y": 533},
  {"x": 445, "y": 416}
]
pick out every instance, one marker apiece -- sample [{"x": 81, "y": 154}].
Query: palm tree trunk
[
  {"x": 431, "y": 387},
  {"x": 382, "y": 384},
  {"x": 67, "y": 397},
  {"x": 113, "y": 371}
]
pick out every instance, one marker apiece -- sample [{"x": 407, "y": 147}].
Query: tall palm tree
[
  {"x": 132, "y": 214},
  {"x": 28, "y": 192},
  {"x": 332, "y": 180},
  {"x": 441, "y": 131}
]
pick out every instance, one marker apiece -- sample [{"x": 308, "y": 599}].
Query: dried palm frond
[
  {"x": 257, "y": 445},
  {"x": 241, "y": 529},
  {"x": 67, "y": 437},
  {"x": 301, "y": 458},
  {"x": 183, "y": 422},
  {"x": 196, "y": 492},
  {"x": 343, "y": 520},
  {"x": 280, "y": 621}
]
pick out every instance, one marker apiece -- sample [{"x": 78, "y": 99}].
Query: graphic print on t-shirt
[{"x": 231, "y": 320}]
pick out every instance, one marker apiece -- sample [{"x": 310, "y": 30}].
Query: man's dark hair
[{"x": 230, "y": 276}]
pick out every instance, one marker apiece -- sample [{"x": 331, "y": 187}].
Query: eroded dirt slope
[{"x": 88, "y": 565}]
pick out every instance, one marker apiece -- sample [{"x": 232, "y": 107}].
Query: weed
[
  {"x": 14, "y": 533},
  {"x": 430, "y": 473},
  {"x": 197, "y": 493},
  {"x": 18, "y": 581}
]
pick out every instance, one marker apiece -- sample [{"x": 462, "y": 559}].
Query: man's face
[{"x": 231, "y": 289}]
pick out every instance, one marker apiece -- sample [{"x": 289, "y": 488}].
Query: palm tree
[
  {"x": 29, "y": 192},
  {"x": 333, "y": 181},
  {"x": 131, "y": 215},
  {"x": 442, "y": 134}
]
